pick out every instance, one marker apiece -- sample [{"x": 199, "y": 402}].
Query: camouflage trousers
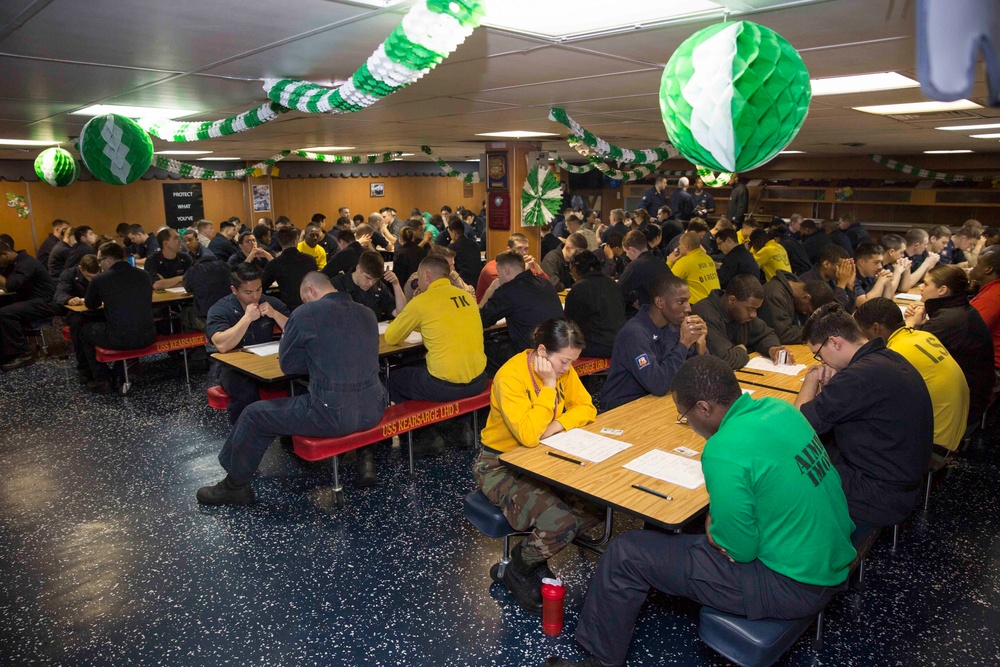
[{"x": 554, "y": 519}]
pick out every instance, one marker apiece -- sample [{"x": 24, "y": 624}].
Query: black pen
[
  {"x": 750, "y": 372},
  {"x": 651, "y": 491},
  {"x": 243, "y": 349},
  {"x": 565, "y": 458}
]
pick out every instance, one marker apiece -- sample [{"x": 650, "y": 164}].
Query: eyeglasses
[
  {"x": 682, "y": 418},
  {"x": 818, "y": 355}
]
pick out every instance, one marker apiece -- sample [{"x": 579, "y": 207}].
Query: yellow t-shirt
[
  {"x": 945, "y": 382},
  {"x": 318, "y": 253},
  {"x": 449, "y": 321},
  {"x": 519, "y": 416},
  {"x": 698, "y": 269},
  {"x": 772, "y": 258}
]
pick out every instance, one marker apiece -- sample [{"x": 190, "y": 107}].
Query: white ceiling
[{"x": 211, "y": 55}]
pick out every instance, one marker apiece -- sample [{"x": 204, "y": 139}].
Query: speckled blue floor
[{"x": 107, "y": 560}]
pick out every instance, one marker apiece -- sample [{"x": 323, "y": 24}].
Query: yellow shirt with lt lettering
[
  {"x": 449, "y": 321},
  {"x": 698, "y": 269}
]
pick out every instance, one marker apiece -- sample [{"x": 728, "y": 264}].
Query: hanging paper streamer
[
  {"x": 573, "y": 168},
  {"x": 172, "y": 131},
  {"x": 608, "y": 151},
  {"x": 349, "y": 159},
  {"x": 638, "y": 173},
  {"x": 428, "y": 34},
  {"x": 57, "y": 167},
  {"x": 115, "y": 149},
  {"x": 541, "y": 197},
  {"x": 17, "y": 202},
  {"x": 473, "y": 177},
  {"x": 188, "y": 170},
  {"x": 923, "y": 173},
  {"x": 713, "y": 180},
  {"x": 733, "y": 95}
]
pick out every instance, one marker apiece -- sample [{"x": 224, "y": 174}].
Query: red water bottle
[{"x": 553, "y": 596}]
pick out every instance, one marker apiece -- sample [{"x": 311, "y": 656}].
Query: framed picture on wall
[
  {"x": 261, "y": 198},
  {"x": 377, "y": 189}
]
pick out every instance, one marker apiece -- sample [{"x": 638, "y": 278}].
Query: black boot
[
  {"x": 366, "y": 468},
  {"x": 589, "y": 661},
  {"x": 520, "y": 579},
  {"x": 427, "y": 442},
  {"x": 226, "y": 492}
]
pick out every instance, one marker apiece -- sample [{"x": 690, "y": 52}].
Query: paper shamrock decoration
[
  {"x": 733, "y": 95},
  {"x": 57, "y": 167},
  {"x": 115, "y": 149},
  {"x": 541, "y": 197}
]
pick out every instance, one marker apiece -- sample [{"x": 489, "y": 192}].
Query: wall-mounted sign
[
  {"x": 183, "y": 204},
  {"x": 498, "y": 210},
  {"x": 496, "y": 171}
]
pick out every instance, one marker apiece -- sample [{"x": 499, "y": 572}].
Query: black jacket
[
  {"x": 127, "y": 296},
  {"x": 29, "y": 280},
  {"x": 78, "y": 252},
  {"x": 158, "y": 266},
  {"x": 652, "y": 201},
  {"x": 778, "y": 309},
  {"x": 738, "y": 261},
  {"x": 289, "y": 268},
  {"x": 815, "y": 242},
  {"x": 526, "y": 301},
  {"x": 556, "y": 268},
  {"x": 681, "y": 204},
  {"x": 57, "y": 259},
  {"x": 71, "y": 284},
  {"x": 222, "y": 247},
  {"x": 638, "y": 276},
  {"x": 962, "y": 331},
  {"x": 380, "y": 299},
  {"x": 407, "y": 258},
  {"x": 797, "y": 255},
  {"x": 739, "y": 202},
  {"x": 468, "y": 259},
  {"x": 208, "y": 280},
  {"x": 845, "y": 297},
  {"x": 344, "y": 261},
  {"x": 725, "y": 334},
  {"x": 595, "y": 303},
  {"x": 45, "y": 249}
]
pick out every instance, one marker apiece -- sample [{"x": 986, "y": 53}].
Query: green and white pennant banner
[
  {"x": 172, "y": 131},
  {"x": 473, "y": 177},
  {"x": 922, "y": 173},
  {"x": 188, "y": 170},
  {"x": 428, "y": 34},
  {"x": 350, "y": 159},
  {"x": 640, "y": 172},
  {"x": 541, "y": 197},
  {"x": 609, "y": 151}
]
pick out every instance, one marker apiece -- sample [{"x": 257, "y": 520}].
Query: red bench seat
[
  {"x": 164, "y": 343},
  {"x": 219, "y": 399}
]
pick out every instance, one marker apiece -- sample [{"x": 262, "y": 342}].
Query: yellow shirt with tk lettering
[
  {"x": 944, "y": 378},
  {"x": 698, "y": 269},
  {"x": 449, "y": 321}
]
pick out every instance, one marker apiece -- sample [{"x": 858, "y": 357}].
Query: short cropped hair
[
  {"x": 204, "y": 224},
  {"x": 635, "y": 240},
  {"x": 516, "y": 237},
  {"x": 584, "y": 263},
  {"x": 288, "y": 236},
  {"x": 578, "y": 240},
  {"x": 244, "y": 235},
  {"x": 881, "y": 310},
  {"x": 226, "y": 224},
  {"x": 969, "y": 233},
  {"x": 832, "y": 254},
  {"x": 163, "y": 235},
  {"x": 726, "y": 235},
  {"x": 666, "y": 284},
  {"x": 940, "y": 232},
  {"x": 513, "y": 259},
  {"x": 697, "y": 225},
  {"x": 318, "y": 217},
  {"x": 371, "y": 264},
  {"x": 759, "y": 238},
  {"x": 744, "y": 288},
  {"x": 689, "y": 240},
  {"x": 244, "y": 272},
  {"x": 347, "y": 236},
  {"x": 705, "y": 378},
  {"x": 916, "y": 235},
  {"x": 90, "y": 264},
  {"x": 819, "y": 293},
  {"x": 892, "y": 241},
  {"x": 831, "y": 320},
  {"x": 867, "y": 251},
  {"x": 112, "y": 250},
  {"x": 80, "y": 232},
  {"x": 136, "y": 229},
  {"x": 436, "y": 264}
]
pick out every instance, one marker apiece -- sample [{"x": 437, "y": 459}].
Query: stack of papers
[
  {"x": 669, "y": 468},
  {"x": 764, "y": 364},
  {"x": 382, "y": 326},
  {"x": 415, "y": 337},
  {"x": 177, "y": 290},
  {"x": 586, "y": 445},
  {"x": 906, "y": 296},
  {"x": 263, "y": 349}
]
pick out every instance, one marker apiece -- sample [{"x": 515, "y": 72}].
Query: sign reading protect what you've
[{"x": 183, "y": 204}]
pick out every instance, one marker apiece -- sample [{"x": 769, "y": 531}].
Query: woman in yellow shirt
[{"x": 536, "y": 394}]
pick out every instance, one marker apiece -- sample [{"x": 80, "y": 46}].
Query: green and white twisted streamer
[
  {"x": 640, "y": 172},
  {"x": 572, "y": 168},
  {"x": 172, "y": 131},
  {"x": 428, "y": 34},
  {"x": 609, "y": 151},
  {"x": 713, "y": 180},
  {"x": 188, "y": 170},
  {"x": 349, "y": 159},
  {"x": 541, "y": 197},
  {"x": 922, "y": 173},
  {"x": 474, "y": 177}
]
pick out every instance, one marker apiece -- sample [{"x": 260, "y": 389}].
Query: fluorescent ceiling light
[
  {"x": 960, "y": 150},
  {"x": 132, "y": 112},
  {"x": 988, "y": 126},
  {"x": 377, "y": 3},
  {"x": 581, "y": 17},
  {"x": 919, "y": 107},
  {"x": 27, "y": 142},
  {"x": 476, "y": 160},
  {"x": 216, "y": 159},
  {"x": 182, "y": 152},
  {"x": 995, "y": 135},
  {"x": 517, "y": 134},
  {"x": 319, "y": 149},
  {"x": 790, "y": 152},
  {"x": 861, "y": 83}
]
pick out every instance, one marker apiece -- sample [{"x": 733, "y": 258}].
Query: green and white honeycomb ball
[
  {"x": 115, "y": 149},
  {"x": 57, "y": 167},
  {"x": 733, "y": 95}
]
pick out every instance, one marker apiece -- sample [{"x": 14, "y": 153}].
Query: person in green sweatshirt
[{"x": 761, "y": 556}]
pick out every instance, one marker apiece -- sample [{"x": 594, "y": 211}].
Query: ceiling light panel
[
  {"x": 861, "y": 83},
  {"x": 517, "y": 134},
  {"x": 133, "y": 112},
  {"x": 919, "y": 107}
]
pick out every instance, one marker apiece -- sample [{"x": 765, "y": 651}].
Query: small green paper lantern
[
  {"x": 733, "y": 95},
  {"x": 57, "y": 167},
  {"x": 115, "y": 149}
]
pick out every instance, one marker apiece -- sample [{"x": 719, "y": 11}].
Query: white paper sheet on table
[
  {"x": 264, "y": 349},
  {"x": 177, "y": 290},
  {"x": 585, "y": 445},
  {"x": 415, "y": 337},
  {"x": 906, "y": 296},
  {"x": 382, "y": 326},
  {"x": 502, "y": 322},
  {"x": 669, "y": 468},
  {"x": 764, "y": 364}
]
